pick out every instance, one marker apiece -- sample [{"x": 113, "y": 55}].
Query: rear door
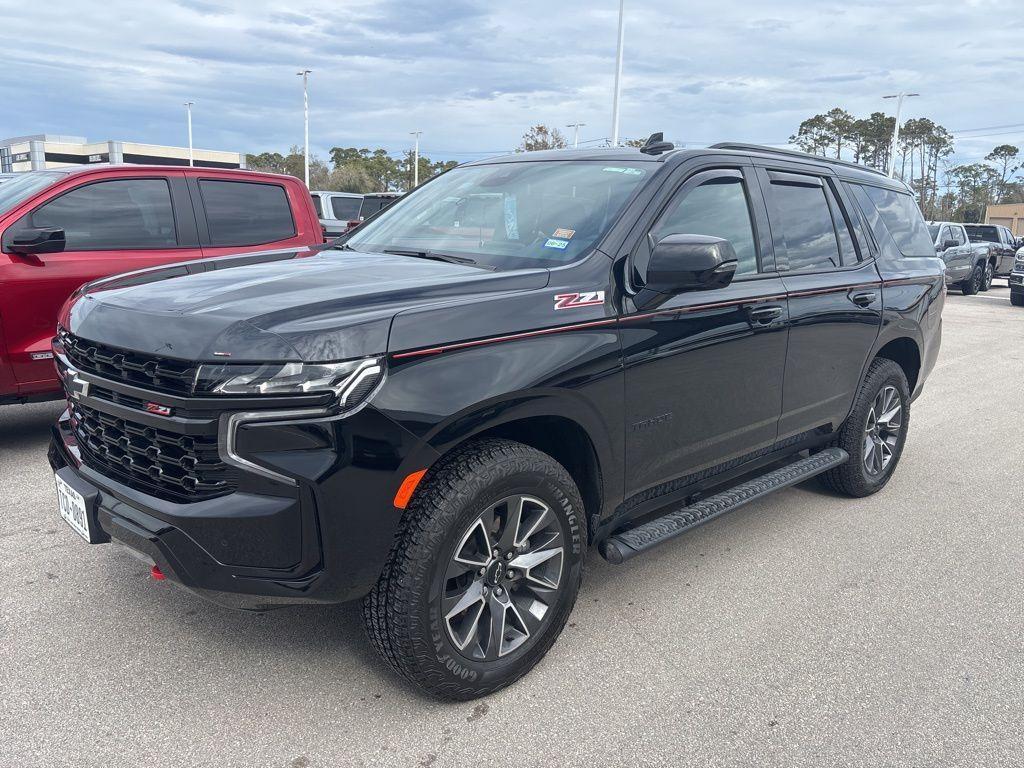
[
  {"x": 111, "y": 225},
  {"x": 834, "y": 291},
  {"x": 238, "y": 216}
]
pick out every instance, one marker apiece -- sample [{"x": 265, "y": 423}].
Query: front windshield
[
  {"x": 24, "y": 186},
  {"x": 508, "y": 215}
]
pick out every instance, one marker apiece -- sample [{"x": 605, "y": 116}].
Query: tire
[
  {"x": 986, "y": 277},
  {"x": 972, "y": 284},
  {"x": 1017, "y": 299},
  {"x": 855, "y": 477},
  {"x": 410, "y": 614}
]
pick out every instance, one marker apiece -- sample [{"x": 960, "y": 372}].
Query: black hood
[{"x": 333, "y": 305}]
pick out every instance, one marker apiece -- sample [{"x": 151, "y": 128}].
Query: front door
[
  {"x": 703, "y": 371},
  {"x": 111, "y": 226}
]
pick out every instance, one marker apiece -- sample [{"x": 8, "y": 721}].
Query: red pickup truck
[{"x": 65, "y": 227}]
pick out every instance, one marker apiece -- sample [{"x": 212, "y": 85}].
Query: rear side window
[
  {"x": 319, "y": 206},
  {"x": 246, "y": 213},
  {"x": 121, "y": 215},
  {"x": 901, "y": 217},
  {"x": 807, "y": 226},
  {"x": 345, "y": 208}
]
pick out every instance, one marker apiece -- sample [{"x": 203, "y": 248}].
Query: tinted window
[
  {"x": 717, "y": 208},
  {"x": 980, "y": 234},
  {"x": 122, "y": 214},
  {"x": 346, "y": 208},
  {"x": 246, "y": 213},
  {"x": 806, "y": 225},
  {"x": 902, "y": 218},
  {"x": 318, "y": 204},
  {"x": 957, "y": 234},
  {"x": 846, "y": 245}
]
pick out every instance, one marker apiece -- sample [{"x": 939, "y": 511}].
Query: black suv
[{"x": 440, "y": 417}]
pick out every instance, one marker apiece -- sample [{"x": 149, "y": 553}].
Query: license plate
[{"x": 71, "y": 505}]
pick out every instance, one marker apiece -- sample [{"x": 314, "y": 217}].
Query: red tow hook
[{"x": 156, "y": 573}]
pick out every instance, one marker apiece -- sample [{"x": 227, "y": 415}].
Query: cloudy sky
[{"x": 474, "y": 74}]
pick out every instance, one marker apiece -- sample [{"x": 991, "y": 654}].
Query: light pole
[
  {"x": 305, "y": 115},
  {"x": 416, "y": 159},
  {"x": 188, "y": 109},
  {"x": 896, "y": 130},
  {"x": 576, "y": 133},
  {"x": 618, "y": 74}
]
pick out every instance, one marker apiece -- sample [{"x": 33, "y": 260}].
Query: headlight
[{"x": 350, "y": 381}]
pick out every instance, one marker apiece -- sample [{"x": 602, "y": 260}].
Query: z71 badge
[{"x": 573, "y": 300}]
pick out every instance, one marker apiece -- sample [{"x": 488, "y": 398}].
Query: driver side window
[{"x": 717, "y": 208}]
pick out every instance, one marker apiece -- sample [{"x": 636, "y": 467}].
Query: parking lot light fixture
[
  {"x": 896, "y": 130},
  {"x": 576, "y": 133},
  {"x": 618, "y": 74},
  {"x": 304, "y": 74}
]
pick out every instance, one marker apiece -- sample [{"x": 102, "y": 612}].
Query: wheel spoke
[
  {"x": 463, "y": 614},
  {"x": 536, "y": 516},
  {"x": 513, "y": 519},
  {"x": 474, "y": 550}
]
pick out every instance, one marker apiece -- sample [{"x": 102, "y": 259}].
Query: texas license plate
[{"x": 72, "y": 507}]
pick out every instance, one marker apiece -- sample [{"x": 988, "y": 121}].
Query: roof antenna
[{"x": 656, "y": 144}]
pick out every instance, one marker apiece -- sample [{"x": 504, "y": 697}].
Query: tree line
[
  {"x": 351, "y": 169},
  {"x": 944, "y": 190}
]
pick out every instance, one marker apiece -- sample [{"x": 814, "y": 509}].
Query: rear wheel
[
  {"x": 484, "y": 572},
  {"x": 972, "y": 284},
  {"x": 874, "y": 433},
  {"x": 986, "y": 277}
]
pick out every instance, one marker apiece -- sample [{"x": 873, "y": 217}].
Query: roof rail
[{"x": 793, "y": 153}]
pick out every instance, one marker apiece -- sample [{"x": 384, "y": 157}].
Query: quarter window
[
  {"x": 246, "y": 213},
  {"x": 717, "y": 208},
  {"x": 121, "y": 214},
  {"x": 806, "y": 226},
  {"x": 901, "y": 216}
]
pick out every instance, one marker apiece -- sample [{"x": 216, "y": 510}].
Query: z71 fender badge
[{"x": 573, "y": 300}]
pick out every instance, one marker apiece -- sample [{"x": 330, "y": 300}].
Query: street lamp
[
  {"x": 416, "y": 159},
  {"x": 896, "y": 130},
  {"x": 304, "y": 74},
  {"x": 576, "y": 133},
  {"x": 188, "y": 109},
  {"x": 618, "y": 74}
]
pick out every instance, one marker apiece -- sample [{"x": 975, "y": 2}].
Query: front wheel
[
  {"x": 986, "y": 277},
  {"x": 483, "y": 573},
  {"x": 874, "y": 432},
  {"x": 972, "y": 284}
]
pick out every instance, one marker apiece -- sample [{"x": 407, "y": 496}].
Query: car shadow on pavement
[{"x": 27, "y": 427}]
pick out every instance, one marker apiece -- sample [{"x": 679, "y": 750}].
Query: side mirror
[
  {"x": 36, "y": 240},
  {"x": 686, "y": 263},
  {"x": 947, "y": 244}
]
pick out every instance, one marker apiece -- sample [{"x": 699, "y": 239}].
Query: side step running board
[{"x": 628, "y": 544}]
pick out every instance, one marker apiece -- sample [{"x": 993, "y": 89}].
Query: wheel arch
[{"x": 905, "y": 352}]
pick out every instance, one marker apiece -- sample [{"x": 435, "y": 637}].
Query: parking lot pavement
[{"x": 801, "y": 630}]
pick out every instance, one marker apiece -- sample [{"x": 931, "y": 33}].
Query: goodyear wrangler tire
[
  {"x": 874, "y": 433},
  {"x": 483, "y": 573}
]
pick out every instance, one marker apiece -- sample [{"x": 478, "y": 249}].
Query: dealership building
[
  {"x": 36, "y": 153},
  {"x": 1009, "y": 215}
]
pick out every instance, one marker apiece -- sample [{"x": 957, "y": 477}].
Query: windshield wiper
[{"x": 438, "y": 256}]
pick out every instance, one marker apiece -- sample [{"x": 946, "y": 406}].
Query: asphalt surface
[{"x": 803, "y": 629}]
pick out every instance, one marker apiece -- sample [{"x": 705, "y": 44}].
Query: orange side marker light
[{"x": 407, "y": 488}]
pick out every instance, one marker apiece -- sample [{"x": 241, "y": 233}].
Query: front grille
[
  {"x": 148, "y": 371},
  {"x": 164, "y": 464}
]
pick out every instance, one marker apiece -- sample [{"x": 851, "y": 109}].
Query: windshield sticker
[
  {"x": 559, "y": 244},
  {"x": 511, "y": 218},
  {"x": 573, "y": 300},
  {"x": 564, "y": 234}
]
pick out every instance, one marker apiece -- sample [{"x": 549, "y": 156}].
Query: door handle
[
  {"x": 863, "y": 298},
  {"x": 764, "y": 314}
]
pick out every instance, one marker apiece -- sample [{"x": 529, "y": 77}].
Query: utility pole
[
  {"x": 576, "y": 133},
  {"x": 188, "y": 109},
  {"x": 305, "y": 115},
  {"x": 416, "y": 159},
  {"x": 618, "y": 74},
  {"x": 896, "y": 130}
]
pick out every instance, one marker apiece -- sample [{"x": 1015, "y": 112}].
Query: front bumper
[
  {"x": 323, "y": 537},
  {"x": 1016, "y": 280}
]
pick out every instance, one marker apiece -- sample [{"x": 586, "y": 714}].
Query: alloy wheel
[
  {"x": 882, "y": 430},
  {"x": 502, "y": 582}
]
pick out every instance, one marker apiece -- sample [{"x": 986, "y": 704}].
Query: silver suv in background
[
  {"x": 968, "y": 265},
  {"x": 337, "y": 210}
]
